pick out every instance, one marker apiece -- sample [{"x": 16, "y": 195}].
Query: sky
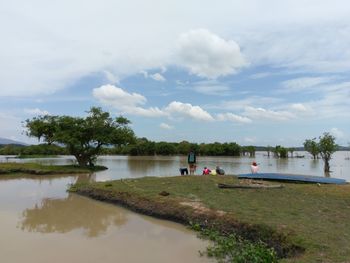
[{"x": 273, "y": 72}]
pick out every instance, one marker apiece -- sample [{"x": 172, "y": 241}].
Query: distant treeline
[
  {"x": 143, "y": 146},
  {"x": 40, "y": 149}
]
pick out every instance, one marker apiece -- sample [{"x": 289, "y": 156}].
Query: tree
[
  {"x": 311, "y": 146},
  {"x": 83, "y": 137},
  {"x": 42, "y": 127},
  {"x": 327, "y": 147},
  {"x": 281, "y": 152}
]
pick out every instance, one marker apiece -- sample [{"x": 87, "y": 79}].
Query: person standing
[{"x": 191, "y": 159}]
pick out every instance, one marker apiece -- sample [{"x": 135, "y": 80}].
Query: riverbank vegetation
[
  {"x": 291, "y": 219},
  {"x": 18, "y": 169}
]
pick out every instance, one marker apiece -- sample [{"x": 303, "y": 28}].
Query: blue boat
[{"x": 293, "y": 178}]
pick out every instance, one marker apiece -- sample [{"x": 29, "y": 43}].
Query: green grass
[
  {"x": 21, "y": 169},
  {"x": 314, "y": 217}
]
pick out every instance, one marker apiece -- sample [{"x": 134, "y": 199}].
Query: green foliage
[
  {"x": 311, "y": 146},
  {"x": 38, "y": 150},
  {"x": 83, "y": 137},
  {"x": 281, "y": 152},
  {"x": 235, "y": 249},
  {"x": 164, "y": 148},
  {"x": 327, "y": 147}
]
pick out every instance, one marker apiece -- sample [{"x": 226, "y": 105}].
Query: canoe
[{"x": 293, "y": 178}]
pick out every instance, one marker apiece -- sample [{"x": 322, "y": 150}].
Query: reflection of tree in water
[{"x": 74, "y": 212}]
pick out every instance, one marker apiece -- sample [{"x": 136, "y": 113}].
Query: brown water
[{"x": 41, "y": 222}]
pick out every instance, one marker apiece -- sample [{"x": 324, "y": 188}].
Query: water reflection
[
  {"x": 145, "y": 165},
  {"x": 73, "y": 212}
]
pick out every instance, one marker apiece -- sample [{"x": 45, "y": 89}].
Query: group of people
[
  {"x": 191, "y": 159},
  {"x": 215, "y": 171}
]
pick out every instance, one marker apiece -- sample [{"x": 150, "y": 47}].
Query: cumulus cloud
[
  {"x": 187, "y": 110},
  {"x": 36, "y": 111},
  {"x": 207, "y": 55},
  {"x": 233, "y": 118},
  {"x": 125, "y": 102},
  {"x": 113, "y": 96},
  {"x": 166, "y": 126},
  {"x": 132, "y": 103}
]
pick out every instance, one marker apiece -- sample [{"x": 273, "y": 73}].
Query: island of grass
[
  {"x": 22, "y": 169},
  {"x": 301, "y": 222}
]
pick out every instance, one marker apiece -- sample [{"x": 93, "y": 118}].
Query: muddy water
[{"x": 41, "y": 222}]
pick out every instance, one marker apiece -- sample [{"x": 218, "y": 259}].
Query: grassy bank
[
  {"x": 309, "y": 216},
  {"x": 18, "y": 169}
]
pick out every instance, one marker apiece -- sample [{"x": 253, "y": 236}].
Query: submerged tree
[
  {"x": 83, "y": 137},
  {"x": 311, "y": 146},
  {"x": 327, "y": 147}
]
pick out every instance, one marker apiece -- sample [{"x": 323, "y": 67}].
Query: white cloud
[
  {"x": 111, "y": 95},
  {"x": 261, "y": 114},
  {"x": 187, "y": 110},
  {"x": 166, "y": 126},
  {"x": 36, "y": 111},
  {"x": 125, "y": 102},
  {"x": 52, "y": 45},
  {"x": 233, "y": 118},
  {"x": 158, "y": 77},
  {"x": 207, "y": 55},
  {"x": 131, "y": 103}
]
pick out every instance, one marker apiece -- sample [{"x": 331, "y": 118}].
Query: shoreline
[{"x": 192, "y": 213}]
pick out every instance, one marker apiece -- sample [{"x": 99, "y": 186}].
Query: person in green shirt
[{"x": 191, "y": 159}]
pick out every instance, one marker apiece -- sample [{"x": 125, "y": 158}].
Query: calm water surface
[{"x": 41, "y": 222}]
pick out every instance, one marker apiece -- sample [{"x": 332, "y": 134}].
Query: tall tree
[
  {"x": 311, "y": 146},
  {"x": 83, "y": 137},
  {"x": 327, "y": 147}
]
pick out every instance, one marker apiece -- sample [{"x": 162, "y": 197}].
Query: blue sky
[{"x": 257, "y": 73}]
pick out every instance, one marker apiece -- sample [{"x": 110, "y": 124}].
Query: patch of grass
[
  {"x": 234, "y": 249},
  {"x": 20, "y": 169},
  {"x": 307, "y": 216}
]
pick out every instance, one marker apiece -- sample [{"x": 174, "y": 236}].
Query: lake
[{"x": 41, "y": 222}]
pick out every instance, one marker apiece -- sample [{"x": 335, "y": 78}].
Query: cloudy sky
[{"x": 255, "y": 72}]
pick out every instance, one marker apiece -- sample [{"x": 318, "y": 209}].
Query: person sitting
[
  {"x": 220, "y": 171},
  {"x": 254, "y": 168},
  {"x": 206, "y": 171}
]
